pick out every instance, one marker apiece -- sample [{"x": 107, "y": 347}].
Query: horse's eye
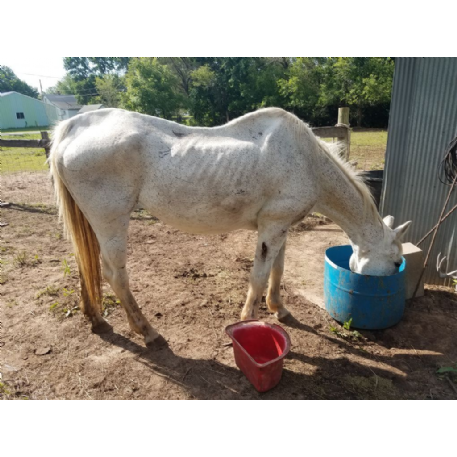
[{"x": 398, "y": 264}]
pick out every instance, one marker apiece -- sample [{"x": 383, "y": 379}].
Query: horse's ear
[
  {"x": 401, "y": 230},
  {"x": 389, "y": 221}
]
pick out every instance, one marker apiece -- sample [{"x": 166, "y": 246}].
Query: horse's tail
[{"x": 76, "y": 226}]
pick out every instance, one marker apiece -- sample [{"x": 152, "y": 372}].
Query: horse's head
[{"x": 382, "y": 257}]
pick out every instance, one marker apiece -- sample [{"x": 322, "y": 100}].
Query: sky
[{"x": 32, "y": 69}]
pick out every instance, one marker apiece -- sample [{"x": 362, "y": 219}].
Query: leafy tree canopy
[
  {"x": 152, "y": 88},
  {"x": 214, "y": 90},
  {"x": 10, "y": 82}
]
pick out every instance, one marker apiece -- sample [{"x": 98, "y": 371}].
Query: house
[
  {"x": 66, "y": 105},
  {"x": 87, "y": 108},
  {"x": 18, "y": 111}
]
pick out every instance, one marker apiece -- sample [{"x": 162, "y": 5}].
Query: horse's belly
[{"x": 203, "y": 215}]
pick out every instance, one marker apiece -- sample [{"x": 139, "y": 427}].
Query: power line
[{"x": 42, "y": 76}]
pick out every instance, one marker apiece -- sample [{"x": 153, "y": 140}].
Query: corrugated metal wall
[{"x": 423, "y": 120}]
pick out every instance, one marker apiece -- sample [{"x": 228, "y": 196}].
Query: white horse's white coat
[{"x": 264, "y": 171}]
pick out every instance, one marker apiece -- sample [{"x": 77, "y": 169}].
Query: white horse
[{"x": 263, "y": 171}]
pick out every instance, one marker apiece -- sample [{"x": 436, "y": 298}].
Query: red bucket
[{"x": 259, "y": 350}]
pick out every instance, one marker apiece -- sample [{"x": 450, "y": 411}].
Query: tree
[
  {"x": 152, "y": 88},
  {"x": 359, "y": 82},
  {"x": 10, "y": 82},
  {"x": 109, "y": 90},
  {"x": 182, "y": 67},
  {"x": 223, "y": 88},
  {"x": 83, "y": 67},
  {"x": 63, "y": 87},
  {"x": 301, "y": 86},
  {"x": 84, "y": 72}
]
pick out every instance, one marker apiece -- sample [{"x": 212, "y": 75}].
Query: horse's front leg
[
  {"x": 270, "y": 242},
  {"x": 274, "y": 301}
]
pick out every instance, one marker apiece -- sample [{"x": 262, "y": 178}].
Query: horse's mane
[
  {"x": 355, "y": 177},
  {"x": 333, "y": 152}
]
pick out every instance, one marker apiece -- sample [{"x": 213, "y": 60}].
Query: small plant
[
  {"x": 109, "y": 303},
  {"x": 66, "y": 268},
  {"x": 354, "y": 335},
  {"x": 448, "y": 372},
  {"x": 21, "y": 259},
  {"x": 50, "y": 290},
  {"x": 67, "y": 292},
  {"x": 36, "y": 260},
  {"x": 70, "y": 311},
  {"x": 3, "y": 389},
  {"x": 54, "y": 306}
]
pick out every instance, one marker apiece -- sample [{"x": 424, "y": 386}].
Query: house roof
[
  {"x": 63, "y": 101},
  {"x": 87, "y": 108}
]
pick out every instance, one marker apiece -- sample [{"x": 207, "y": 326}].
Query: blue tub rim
[{"x": 401, "y": 269}]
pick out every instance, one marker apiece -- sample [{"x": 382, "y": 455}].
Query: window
[{"x": 20, "y": 116}]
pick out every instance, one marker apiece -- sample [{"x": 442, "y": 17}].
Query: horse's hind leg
[
  {"x": 274, "y": 301},
  {"x": 270, "y": 242},
  {"x": 99, "y": 325},
  {"x": 113, "y": 245}
]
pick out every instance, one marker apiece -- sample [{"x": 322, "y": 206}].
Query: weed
[
  {"x": 3, "y": 389},
  {"x": 70, "y": 311},
  {"x": 50, "y": 290},
  {"x": 67, "y": 293},
  {"x": 36, "y": 260},
  {"x": 21, "y": 259},
  {"x": 3, "y": 279},
  {"x": 109, "y": 303},
  {"x": 354, "y": 335},
  {"x": 53, "y": 306},
  {"x": 66, "y": 268},
  {"x": 448, "y": 372},
  {"x": 11, "y": 303}
]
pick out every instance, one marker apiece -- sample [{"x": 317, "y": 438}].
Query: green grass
[
  {"x": 13, "y": 160},
  {"x": 377, "y": 138},
  {"x": 27, "y": 129},
  {"x": 368, "y": 149}
]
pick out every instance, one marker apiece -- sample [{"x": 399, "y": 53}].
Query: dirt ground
[{"x": 190, "y": 288}]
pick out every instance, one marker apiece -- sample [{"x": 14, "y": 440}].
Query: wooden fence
[{"x": 44, "y": 143}]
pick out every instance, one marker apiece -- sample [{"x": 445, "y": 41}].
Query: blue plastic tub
[{"x": 373, "y": 302}]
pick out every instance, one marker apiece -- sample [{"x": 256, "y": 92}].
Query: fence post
[
  {"x": 45, "y": 136},
  {"x": 343, "y": 121}
]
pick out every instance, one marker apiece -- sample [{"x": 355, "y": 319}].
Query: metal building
[
  {"x": 21, "y": 111},
  {"x": 423, "y": 121}
]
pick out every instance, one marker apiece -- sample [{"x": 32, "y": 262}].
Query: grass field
[
  {"x": 13, "y": 160},
  {"x": 368, "y": 148}
]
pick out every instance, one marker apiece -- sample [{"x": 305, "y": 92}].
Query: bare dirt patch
[{"x": 190, "y": 287}]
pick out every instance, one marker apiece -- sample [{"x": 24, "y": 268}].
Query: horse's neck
[{"x": 343, "y": 203}]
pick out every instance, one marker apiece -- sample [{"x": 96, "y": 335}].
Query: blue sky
[{"x": 32, "y": 69}]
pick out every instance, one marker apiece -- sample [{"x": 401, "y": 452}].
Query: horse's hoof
[
  {"x": 157, "y": 343},
  {"x": 101, "y": 327},
  {"x": 282, "y": 314}
]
